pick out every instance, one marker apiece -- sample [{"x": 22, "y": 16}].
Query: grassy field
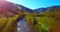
[{"x": 44, "y": 23}]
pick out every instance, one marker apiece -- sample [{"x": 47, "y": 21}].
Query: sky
[{"x": 34, "y": 4}]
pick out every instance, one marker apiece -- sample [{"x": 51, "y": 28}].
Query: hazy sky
[{"x": 33, "y": 4}]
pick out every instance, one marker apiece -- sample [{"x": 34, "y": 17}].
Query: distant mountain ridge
[
  {"x": 23, "y": 8},
  {"x": 40, "y": 9},
  {"x": 12, "y": 8},
  {"x": 44, "y": 9}
]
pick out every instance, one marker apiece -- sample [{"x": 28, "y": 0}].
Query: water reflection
[{"x": 22, "y": 26}]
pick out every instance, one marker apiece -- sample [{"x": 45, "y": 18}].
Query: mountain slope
[{"x": 47, "y": 8}]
